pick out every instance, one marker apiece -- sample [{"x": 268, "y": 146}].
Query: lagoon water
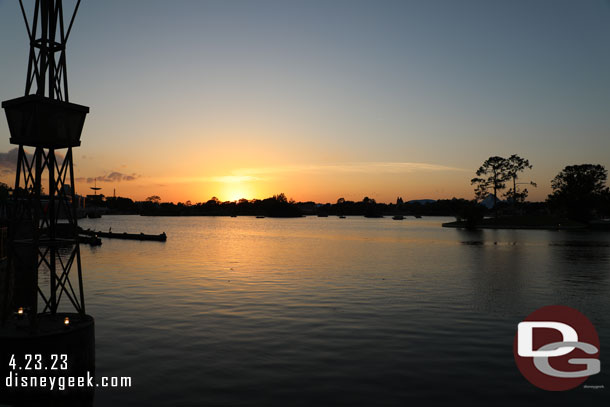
[{"x": 328, "y": 311}]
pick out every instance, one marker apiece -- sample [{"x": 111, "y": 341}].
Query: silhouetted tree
[
  {"x": 367, "y": 200},
  {"x": 579, "y": 189},
  {"x": 340, "y": 206},
  {"x": 515, "y": 165},
  {"x": 280, "y": 197},
  {"x": 213, "y": 201},
  {"x": 494, "y": 172},
  {"x": 280, "y": 206},
  {"x": 371, "y": 209},
  {"x": 154, "y": 199}
]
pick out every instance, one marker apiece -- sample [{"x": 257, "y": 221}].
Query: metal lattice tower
[{"x": 43, "y": 233}]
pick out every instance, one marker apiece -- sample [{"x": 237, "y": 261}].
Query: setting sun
[{"x": 235, "y": 192}]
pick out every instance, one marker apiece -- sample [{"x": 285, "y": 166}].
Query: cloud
[
  {"x": 8, "y": 160},
  {"x": 113, "y": 176}
]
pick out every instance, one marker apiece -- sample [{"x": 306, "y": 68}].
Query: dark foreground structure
[{"x": 44, "y": 329}]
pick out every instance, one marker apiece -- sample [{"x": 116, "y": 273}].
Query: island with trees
[{"x": 580, "y": 198}]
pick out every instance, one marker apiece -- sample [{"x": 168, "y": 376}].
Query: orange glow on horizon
[{"x": 318, "y": 183}]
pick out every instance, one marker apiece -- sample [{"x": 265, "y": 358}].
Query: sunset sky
[{"x": 325, "y": 99}]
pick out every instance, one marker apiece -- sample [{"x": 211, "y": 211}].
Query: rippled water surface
[{"x": 329, "y": 311}]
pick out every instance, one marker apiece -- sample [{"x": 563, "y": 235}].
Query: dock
[
  {"x": 127, "y": 236},
  {"x": 91, "y": 240}
]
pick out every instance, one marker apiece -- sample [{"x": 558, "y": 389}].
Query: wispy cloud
[
  {"x": 361, "y": 167},
  {"x": 232, "y": 178},
  {"x": 221, "y": 179},
  {"x": 265, "y": 173}
]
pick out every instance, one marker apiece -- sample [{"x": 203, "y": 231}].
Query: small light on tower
[
  {"x": 20, "y": 311},
  {"x": 67, "y": 321}
]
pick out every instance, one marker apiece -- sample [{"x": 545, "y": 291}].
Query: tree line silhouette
[
  {"x": 579, "y": 193},
  {"x": 280, "y": 206}
]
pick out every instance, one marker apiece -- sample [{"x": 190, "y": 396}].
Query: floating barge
[
  {"x": 91, "y": 240},
  {"x": 127, "y": 236}
]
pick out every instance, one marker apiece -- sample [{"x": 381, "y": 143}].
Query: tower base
[{"x": 42, "y": 362}]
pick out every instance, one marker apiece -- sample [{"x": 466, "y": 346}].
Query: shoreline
[
  {"x": 532, "y": 223},
  {"x": 464, "y": 225}
]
